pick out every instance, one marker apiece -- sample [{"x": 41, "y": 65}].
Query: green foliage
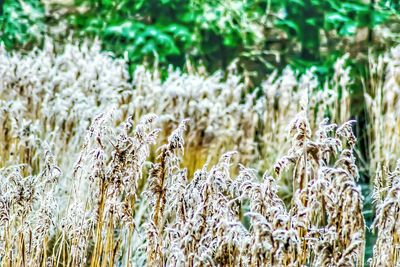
[
  {"x": 142, "y": 28},
  {"x": 306, "y": 20},
  {"x": 22, "y": 23},
  {"x": 343, "y": 17},
  {"x": 168, "y": 31},
  {"x": 209, "y": 32}
]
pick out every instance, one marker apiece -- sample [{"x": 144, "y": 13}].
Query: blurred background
[{"x": 262, "y": 35}]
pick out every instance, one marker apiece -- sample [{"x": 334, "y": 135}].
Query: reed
[{"x": 96, "y": 170}]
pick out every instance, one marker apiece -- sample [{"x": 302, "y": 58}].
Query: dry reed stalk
[
  {"x": 386, "y": 223},
  {"x": 381, "y": 93},
  {"x": 123, "y": 206}
]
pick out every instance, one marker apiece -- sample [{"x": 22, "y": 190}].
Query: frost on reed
[
  {"x": 286, "y": 95},
  {"x": 387, "y": 220},
  {"x": 221, "y": 119},
  {"x": 226, "y": 116},
  {"x": 164, "y": 175},
  {"x": 111, "y": 164},
  {"x": 27, "y": 212},
  {"x": 52, "y": 95},
  {"x": 382, "y": 102},
  {"x": 204, "y": 216},
  {"x": 210, "y": 219},
  {"x": 326, "y": 208},
  {"x": 90, "y": 177}
]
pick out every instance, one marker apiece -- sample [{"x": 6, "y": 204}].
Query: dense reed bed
[{"x": 195, "y": 170}]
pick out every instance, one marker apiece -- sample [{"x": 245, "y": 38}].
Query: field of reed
[{"x": 100, "y": 169}]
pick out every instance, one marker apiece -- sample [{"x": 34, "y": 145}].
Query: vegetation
[
  {"x": 263, "y": 34},
  {"x": 124, "y": 187},
  {"x": 199, "y": 133}
]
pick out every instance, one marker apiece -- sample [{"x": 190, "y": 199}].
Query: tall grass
[
  {"x": 382, "y": 102},
  {"x": 100, "y": 171}
]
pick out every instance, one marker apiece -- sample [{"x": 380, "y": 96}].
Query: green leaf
[
  {"x": 107, "y": 3},
  {"x": 312, "y": 21},
  {"x": 379, "y": 17},
  {"x": 288, "y": 24},
  {"x": 335, "y": 18},
  {"x": 356, "y": 7},
  {"x": 349, "y": 28},
  {"x": 230, "y": 40},
  {"x": 139, "y": 4},
  {"x": 125, "y": 30},
  {"x": 179, "y": 32},
  {"x": 149, "y": 48},
  {"x": 296, "y": 2}
]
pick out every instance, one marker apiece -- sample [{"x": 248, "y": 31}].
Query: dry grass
[
  {"x": 95, "y": 173},
  {"x": 387, "y": 200},
  {"x": 383, "y": 108}
]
